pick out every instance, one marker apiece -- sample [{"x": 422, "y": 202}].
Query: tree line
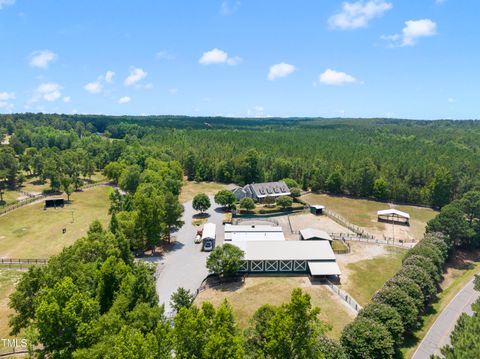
[{"x": 419, "y": 162}]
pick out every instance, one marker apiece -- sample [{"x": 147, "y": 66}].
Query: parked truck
[{"x": 208, "y": 237}]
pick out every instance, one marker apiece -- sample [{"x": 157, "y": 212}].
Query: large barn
[{"x": 313, "y": 257}]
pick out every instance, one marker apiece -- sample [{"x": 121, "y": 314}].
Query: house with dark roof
[{"x": 260, "y": 191}]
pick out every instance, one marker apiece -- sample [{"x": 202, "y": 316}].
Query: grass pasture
[
  {"x": 8, "y": 279},
  {"x": 363, "y": 213},
  {"x": 190, "y": 189},
  {"x": 367, "y": 276},
  {"x": 31, "y": 232},
  {"x": 260, "y": 290}
]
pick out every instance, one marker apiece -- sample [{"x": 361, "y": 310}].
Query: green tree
[
  {"x": 130, "y": 179},
  {"x": 408, "y": 286},
  {"x": 247, "y": 204},
  {"x": 387, "y": 316},
  {"x": 284, "y": 201},
  {"x": 67, "y": 187},
  {"x": 401, "y": 301},
  {"x": 171, "y": 213},
  {"x": 295, "y": 192},
  {"x": 113, "y": 171},
  {"x": 366, "y": 338},
  {"x": 225, "y": 260},
  {"x": 334, "y": 182},
  {"x": 441, "y": 188},
  {"x": 201, "y": 202},
  {"x": 291, "y": 183},
  {"x": 225, "y": 198},
  {"x": 380, "y": 188},
  {"x": 182, "y": 298}
]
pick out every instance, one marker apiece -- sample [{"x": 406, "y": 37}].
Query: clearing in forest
[
  {"x": 32, "y": 232},
  {"x": 363, "y": 213}
]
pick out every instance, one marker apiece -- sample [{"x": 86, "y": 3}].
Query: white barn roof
[
  {"x": 317, "y": 206},
  {"x": 393, "y": 213},
  {"x": 286, "y": 250},
  {"x": 311, "y": 233},
  {"x": 253, "y": 233},
  {"x": 324, "y": 268}
]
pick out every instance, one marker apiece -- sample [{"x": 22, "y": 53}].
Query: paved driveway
[
  {"x": 439, "y": 333},
  {"x": 184, "y": 264}
]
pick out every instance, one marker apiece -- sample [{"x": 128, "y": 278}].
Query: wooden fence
[{"x": 21, "y": 263}]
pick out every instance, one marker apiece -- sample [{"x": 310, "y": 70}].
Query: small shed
[
  {"x": 54, "y": 203},
  {"x": 317, "y": 209},
  {"x": 393, "y": 216},
  {"x": 308, "y": 234}
]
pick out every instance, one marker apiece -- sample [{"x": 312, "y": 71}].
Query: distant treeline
[{"x": 420, "y": 162}]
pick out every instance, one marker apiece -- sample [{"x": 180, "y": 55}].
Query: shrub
[
  {"x": 402, "y": 302},
  {"x": 387, "y": 316},
  {"x": 366, "y": 338},
  {"x": 247, "y": 203},
  {"x": 421, "y": 277},
  {"x": 425, "y": 263},
  {"x": 284, "y": 201},
  {"x": 410, "y": 287},
  {"x": 427, "y": 250}
]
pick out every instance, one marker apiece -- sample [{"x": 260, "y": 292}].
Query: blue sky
[{"x": 378, "y": 58}]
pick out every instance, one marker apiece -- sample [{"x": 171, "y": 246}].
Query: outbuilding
[
  {"x": 312, "y": 257},
  {"x": 314, "y": 234},
  {"x": 317, "y": 209},
  {"x": 393, "y": 216},
  {"x": 253, "y": 233}
]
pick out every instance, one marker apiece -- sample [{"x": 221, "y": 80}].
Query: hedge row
[{"x": 379, "y": 328}]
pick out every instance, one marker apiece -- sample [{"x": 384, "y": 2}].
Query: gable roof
[
  {"x": 312, "y": 233},
  {"x": 394, "y": 213},
  {"x": 265, "y": 189}
]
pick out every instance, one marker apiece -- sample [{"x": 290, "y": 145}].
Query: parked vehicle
[
  {"x": 208, "y": 236},
  {"x": 198, "y": 238}
]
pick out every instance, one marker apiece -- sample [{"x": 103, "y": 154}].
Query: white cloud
[
  {"x": 136, "y": 75},
  {"x": 124, "y": 99},
  {"x": 173, "y": 91},
  {"x": 5, "y": 98},
  {"x": 93, "y": 87},
  {"x": 228, "y": 7},
  {"x": 42, "y": 58},
  {"x": 217, "y": 56},
  {"x": 256, "y": 111},
  {"x": 48, "y": 91},
  {"x": 280, "y": 70},
  {"x": 67, "y": 99},
  {"x": 336, "y": 78},
  {"x": 5, "y": 3},
  {"x": 109, "y": 76},
  {"x": 357, "y": 14},
  {"x": 439, "y": 2},
  {"x": 413, "y": 30},
  {"x": 165, "y": 55},
  {"x": 451, "y": 100}
]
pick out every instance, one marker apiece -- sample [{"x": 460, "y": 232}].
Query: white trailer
[{"x": 208, "y": 236}]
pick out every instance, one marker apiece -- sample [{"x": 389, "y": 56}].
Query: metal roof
[
  {"x": 311, "y": 233},
  {"x": 254, "y": 236},
  {"x": 269, "y": 189},
  {"x": 209, "y": 230},
  {"x": 324, "y": 268},
  {"x": 251, "y": 228},
  {"x": 317, "y": 206},
  {"x": 393, "y": 212},
  {"x": 286, "y": 250}
]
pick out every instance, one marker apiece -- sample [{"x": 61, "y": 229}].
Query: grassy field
[
  {"x": 453, "y": 282},
  {"x": 277, "y": 290},
  {"x": 365, "y": 277},
  {"x": 31, "y": 232},
  {"x": 190, "y": 189},
  {"x": 8, "y": 278},
  {"x": 363, "y": 213}
]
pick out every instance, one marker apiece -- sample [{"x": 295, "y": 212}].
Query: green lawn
[
  {"x": 31, "y": 232},
  {"x": 190, "y": 189},
  {"x": 363, "y": 213},
  {"x": 367, "y": 276},
  {"x": 8, "y": 279},
  {"x": 277, "y": 290}
]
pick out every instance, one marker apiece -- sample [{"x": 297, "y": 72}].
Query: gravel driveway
[{"x": 184, "y": 264}]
